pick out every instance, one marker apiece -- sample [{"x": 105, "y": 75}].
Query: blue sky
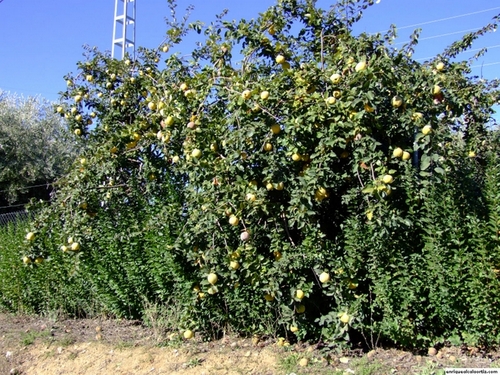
[{"x": 41, "y": 41}]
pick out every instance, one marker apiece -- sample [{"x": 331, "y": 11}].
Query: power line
[
  {"x": 14, "y": 205},
  {"x": 470, "y": 50},
  {"x": 446, "y": 19},
  {"x": 488, "y": 64},
  {"x": 26, "y": 187},
  {"x": 441, "y": 35}
]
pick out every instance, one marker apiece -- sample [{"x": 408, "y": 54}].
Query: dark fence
[{"x": 13, "y": 217}]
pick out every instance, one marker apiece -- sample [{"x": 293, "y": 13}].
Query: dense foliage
[
  {"x": 35, "y": 149},
  {"x": 328, "y": 186}
]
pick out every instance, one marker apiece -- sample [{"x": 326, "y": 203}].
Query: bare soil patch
[{"x": 39, "y": 346}]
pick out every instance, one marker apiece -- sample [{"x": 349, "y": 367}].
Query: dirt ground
[{"x": 39, "y": 346}]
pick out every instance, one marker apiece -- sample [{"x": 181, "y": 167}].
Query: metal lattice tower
[{"x": 124, "y": 29}]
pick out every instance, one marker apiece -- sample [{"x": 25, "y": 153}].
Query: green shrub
[{"x": 280, "y": 195}]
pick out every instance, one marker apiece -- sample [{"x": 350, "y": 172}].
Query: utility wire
[
  {"x": 488, "y": 64},
  {"x": 14, "y": 205},
  {"x": 22, "y": 204},
  {"x": 445, "y": 19},
  {"x": 26, "y": 187},
  {"x": 441, "y": 35},
  {"x": 470, "y": 50}
]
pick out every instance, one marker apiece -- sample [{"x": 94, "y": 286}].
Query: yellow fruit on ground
[
  {"x": 344, "y": 318},
  {"x": 299, "y": 294},
  {"x": 324, "y": 277},
  {"x": 426, "y": 129},
  {"x": 387, "y": 179},
  {"x": 264, "y": 95},
  {"x": 406, "y": 155},
  {"x": 398, "y": 152},
  {"x": 39, "y": 260},
  {"x": 30, "y": 236},
  {"x": 64, "y": 248},
  {"x": 335, "y": 78},
  {"x": 303, "y": 362},
  {"x": 26, "y": 260},
  {"x": 188, "y": 334},
  {"x": 212, "y": 278},
  {"x": 360, "y": 66},
  {"x": 397, "y": 101},
  {"x": 300, "y": 309},
  {"x": 280, "y": 59},
  {"x": 472, "y": 154},
  {"x": 75, "y": 246},
  {"x": 280, "y": 342}
]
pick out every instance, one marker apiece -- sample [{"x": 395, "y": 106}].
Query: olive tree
[{"x": 35, "y": 148}]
